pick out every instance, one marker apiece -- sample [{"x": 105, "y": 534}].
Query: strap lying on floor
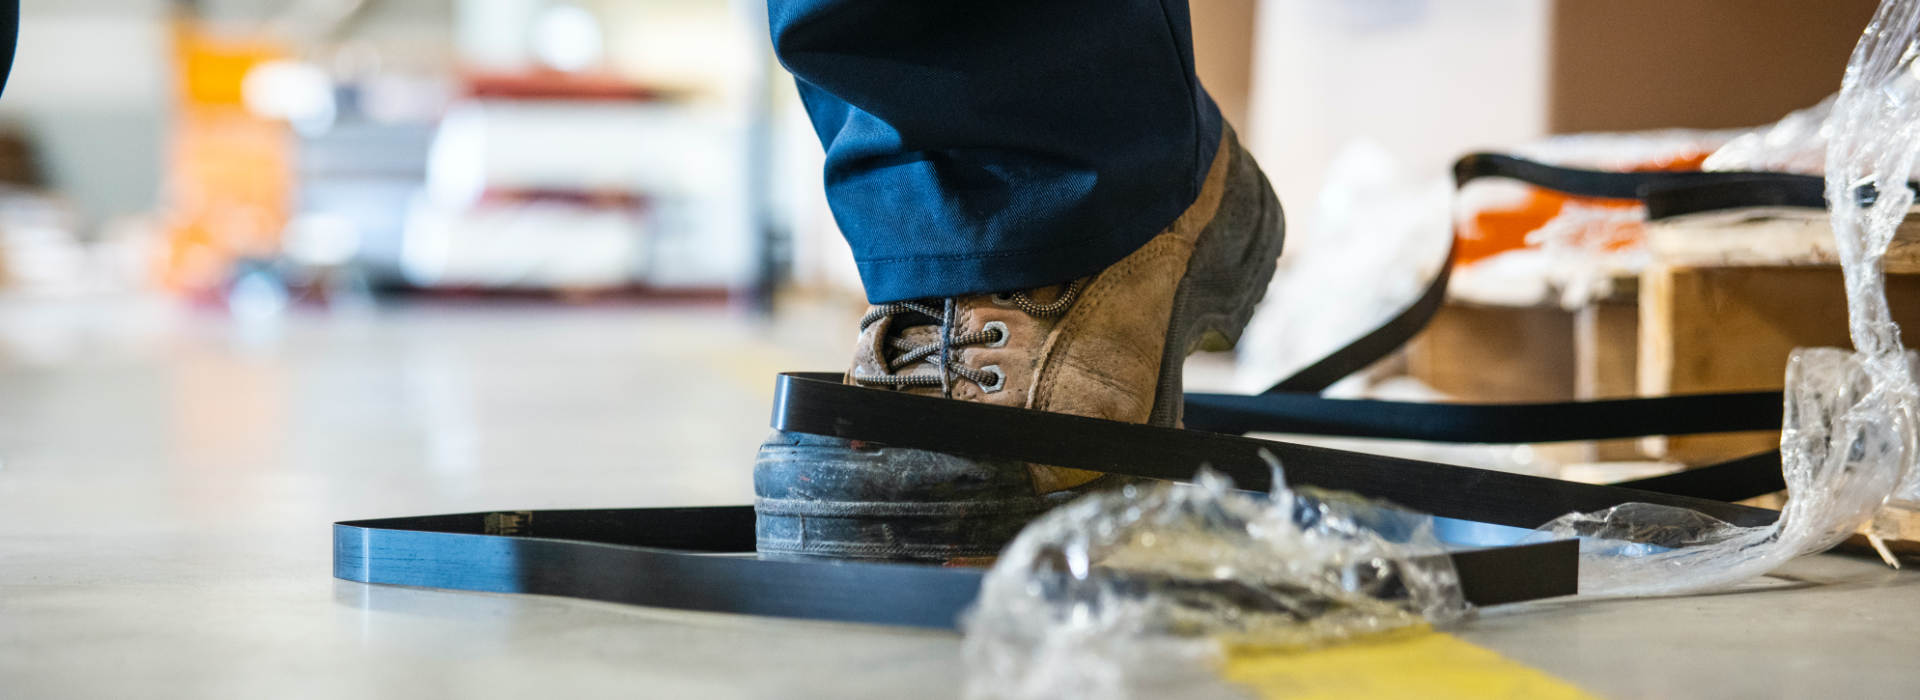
[
  {"x": 687, "y": 557},
  {"x": 817, "y": 403},
  {"x": 1736, "y": 480},
  {"x": 675, "y": 558},
  {"x": 1309, "y": 414}
]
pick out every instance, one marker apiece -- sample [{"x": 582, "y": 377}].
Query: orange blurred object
[
  {"x": 229, "y": 172},
  {"x": 1489, "y": 232}
]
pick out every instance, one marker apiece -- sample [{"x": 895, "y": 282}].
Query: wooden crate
[
  {"x": 1503, "y": 354},
  {"x": 1496, "y": 354},
  {"x": 1606, "y": 354},
  {"x": 1729, "y": 297}
]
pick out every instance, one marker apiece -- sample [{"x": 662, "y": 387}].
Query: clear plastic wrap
[
  {"x": 1795, "y": 144},
  {"x": 1586, "y": 247},
  {"x": 1843, "y": 450},
  {"x": 1121, "y": 590},
  {"x": 1870, "y": 162}
]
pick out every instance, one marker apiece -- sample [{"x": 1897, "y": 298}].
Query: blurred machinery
[
  {"x": 229, "y": 177},
  {"x": 564, "y": 188},
  {"x": 545, "y": 155}
]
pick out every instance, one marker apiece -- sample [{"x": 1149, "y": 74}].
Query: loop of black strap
[
  {"x": 691, "y": 558},
  {"x": 700, "y": 559},
  {"x": 1592, "y": 183},
  {"x": 819, "y": 404},
  {"x": 1666, "y": 194}
]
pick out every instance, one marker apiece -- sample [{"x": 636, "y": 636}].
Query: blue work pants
[{"x": 982, "y": 146}]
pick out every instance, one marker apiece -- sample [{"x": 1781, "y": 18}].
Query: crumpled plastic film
[
  {"x": 1870, "y": 162},
  {"x": 1842, "y": 456},
  {"x": 1120, "y": 590},
  {"x": 1795, "y": 144},
  {"x": 1848, "y": 440},
  {"x": 1587, "y": 246}
]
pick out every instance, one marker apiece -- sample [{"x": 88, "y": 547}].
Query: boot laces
[{"x": 936, "y": 353}]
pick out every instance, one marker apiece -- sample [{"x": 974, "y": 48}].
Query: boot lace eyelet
[
  {"x": 999, "y": 379},
  {"x": 1001, "y": 335}
]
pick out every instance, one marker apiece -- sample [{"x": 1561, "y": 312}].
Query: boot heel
[{"x": 1227, "y": 276}]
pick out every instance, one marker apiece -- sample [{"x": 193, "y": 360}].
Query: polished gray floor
[{"x": 167, "y": 479}]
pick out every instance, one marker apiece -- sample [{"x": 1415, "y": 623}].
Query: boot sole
[{"x": 827, "y": 498}]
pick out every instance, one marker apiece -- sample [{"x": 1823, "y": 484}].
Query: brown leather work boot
[{"x": 1108, "y": 346}]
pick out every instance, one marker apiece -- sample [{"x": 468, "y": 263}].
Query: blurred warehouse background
[
  {"x": 261, "y": 158},
  {"x": 271, "y": 264},
  {"x": 268, "y": 154},
  {"x": 261, "y": 153}
]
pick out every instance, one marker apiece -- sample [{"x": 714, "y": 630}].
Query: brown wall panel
[
  {"x": 1624, "y": 65},
  {"x": 1223, "y": 53}
]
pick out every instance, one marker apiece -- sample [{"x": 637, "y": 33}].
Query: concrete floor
[{"x": 167, "y": 481}]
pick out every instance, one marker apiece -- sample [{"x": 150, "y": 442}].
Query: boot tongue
[
  {"x": 914, "y": 319},
  {"x": 918, "y": 335},
  {"x": 916, "y": 329}
]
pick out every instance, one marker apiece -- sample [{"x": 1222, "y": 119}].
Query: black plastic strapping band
[
  {"x": 817, "y": 403},
  {"x": 699, "y": 558}
]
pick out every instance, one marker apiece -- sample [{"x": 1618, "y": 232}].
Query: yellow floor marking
[{"x": 1415, "y": 666}]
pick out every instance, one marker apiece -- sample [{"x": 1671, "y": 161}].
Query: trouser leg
[
  {"x": 990, "y": 145},
  {"x": 9, "y": 37}
]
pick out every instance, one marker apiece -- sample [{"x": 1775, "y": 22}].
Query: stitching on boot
[{"x": 1094, "y": 301}]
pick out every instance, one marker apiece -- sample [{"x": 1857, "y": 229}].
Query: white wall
[
  {"x": 1430, "y": 80},
  {"x": 1376, "y": 98}
]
